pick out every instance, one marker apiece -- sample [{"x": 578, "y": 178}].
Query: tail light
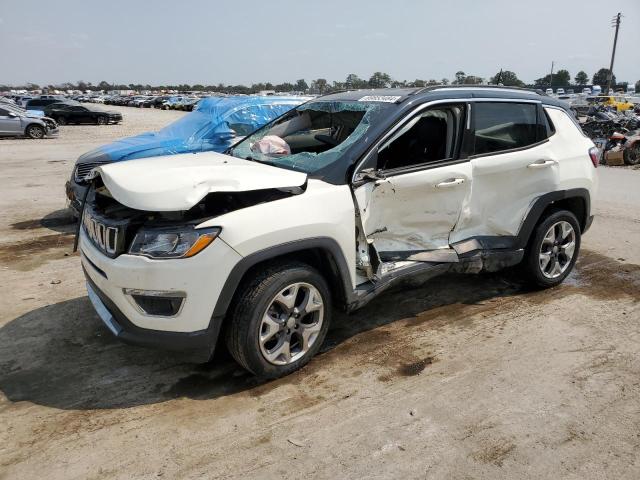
[{"x": 593, "y": 154}]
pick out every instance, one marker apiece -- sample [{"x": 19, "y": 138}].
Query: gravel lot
[{"x": 463, "y": 378}]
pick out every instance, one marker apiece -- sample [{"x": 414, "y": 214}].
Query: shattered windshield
[{"x": 310, "y": 137}]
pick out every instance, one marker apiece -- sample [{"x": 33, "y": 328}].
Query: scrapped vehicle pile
[{"x": 616, "y": 134}]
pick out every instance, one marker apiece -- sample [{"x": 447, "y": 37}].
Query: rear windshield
[{"x": 310, "y": 137}]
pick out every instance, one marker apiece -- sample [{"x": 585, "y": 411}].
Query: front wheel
[
  {"x": 35, "y": 131},
  {"x": 279, "y": 320},
  {"x": 61, "y": 121},
  {"x": 553, "y": 249},
  {"x": 102, "y": 120}
]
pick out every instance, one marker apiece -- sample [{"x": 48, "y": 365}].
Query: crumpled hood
[{"x": 178, "y": 182}]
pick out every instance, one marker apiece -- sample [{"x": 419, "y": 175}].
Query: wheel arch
[
  {"x": 322, "y": 253},
  {"x": 575, "y": 200},
  {"x": 34, "y": 124}
]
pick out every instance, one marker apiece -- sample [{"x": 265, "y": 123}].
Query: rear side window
[{"x": 505, "y": 126}]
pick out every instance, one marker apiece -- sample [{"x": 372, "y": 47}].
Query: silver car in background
[{"x": 17, "y": 122}]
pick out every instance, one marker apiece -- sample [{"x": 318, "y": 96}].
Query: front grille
[
  {"x": 109, "y": 235},
  {"x": 103, "y": 236},
  {"x": 83, "y": 169}
]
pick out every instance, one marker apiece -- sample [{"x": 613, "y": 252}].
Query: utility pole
[
  {"x": 616, "y": 23},
  {"x": 551, "y": 75}
]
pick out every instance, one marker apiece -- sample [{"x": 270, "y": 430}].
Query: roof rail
[{"x": 502, "y": 87}]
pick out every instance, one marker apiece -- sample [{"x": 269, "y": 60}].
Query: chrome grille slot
[
  {"x": 103, "y": 236},
  {"x": 83, "y": 169}
]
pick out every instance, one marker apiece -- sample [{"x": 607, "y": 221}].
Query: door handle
[
  {"x": 541, "y": 164},
  {"x": 451, "y": 182}
]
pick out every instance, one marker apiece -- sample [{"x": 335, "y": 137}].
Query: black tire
[
  {"x": 251, "y": 302},
  {"x": 102, "y": 120},
  {"x": 632, "y": 154},
  {"x": 35, "y": 131},
  {"x": 531, "y": 266},
  {"x": 61, "y": 121}
]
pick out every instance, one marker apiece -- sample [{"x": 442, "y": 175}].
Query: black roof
[{"x": 443, "y": 92}]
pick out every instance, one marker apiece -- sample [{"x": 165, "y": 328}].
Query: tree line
[{"x": 352, "y": 81}]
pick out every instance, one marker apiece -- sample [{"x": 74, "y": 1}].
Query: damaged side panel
[{"x": 408, "y": 215}]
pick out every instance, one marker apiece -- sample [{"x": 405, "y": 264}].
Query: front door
[
  {"x": 9, "y": 124},
  {"x": 422, "y": 185}
]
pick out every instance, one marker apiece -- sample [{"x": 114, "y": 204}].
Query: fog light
[{"x": 158, "y": 303}]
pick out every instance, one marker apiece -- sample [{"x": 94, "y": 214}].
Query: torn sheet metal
[{"x": 409, "y": 213}]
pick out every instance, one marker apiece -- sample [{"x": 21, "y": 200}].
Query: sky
[{"x": 244, "y": 42}]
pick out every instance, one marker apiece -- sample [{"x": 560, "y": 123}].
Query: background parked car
[
  {"x": 215, "y": 125},
  {"x": 80, "y": 114},
  {"x": 15, "y": 121}
]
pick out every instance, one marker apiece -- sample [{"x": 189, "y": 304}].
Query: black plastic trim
[{"x": 326, "y": 244}]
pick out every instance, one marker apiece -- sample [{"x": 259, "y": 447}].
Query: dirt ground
[{"x": 466, "y": 377}]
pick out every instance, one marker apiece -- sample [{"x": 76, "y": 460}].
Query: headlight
[{"x": 180, "y": 242}]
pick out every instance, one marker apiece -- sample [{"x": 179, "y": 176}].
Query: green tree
[
  {"x": 319, "y": 85},
  {"x": 301, "y": 85},
  {"x": 601, "y": 77},
  {"x": 472, "y": 80},
  {"x": 507, "y": 78},
  {"x": 104, "y": 85},
  {"x": 379, "y": 80},
  {"x": 353, "y": 81},
  {"x": 562, "y": 77},
  {"x": 444, "y": 81},
  {"x": 460, "y": 77},
  {"x": 581, "y": 78}
]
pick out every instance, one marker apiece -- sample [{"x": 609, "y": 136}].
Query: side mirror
[{"x": 12, "y": 114}]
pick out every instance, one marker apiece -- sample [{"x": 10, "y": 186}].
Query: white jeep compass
[{"x": 328, "y": 206}]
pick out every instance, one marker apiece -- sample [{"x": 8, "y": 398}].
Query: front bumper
[
  {"x": 201, "y": 277},
  {"x": 53, "y": 132},
  {"x": 201, "y": 343}
]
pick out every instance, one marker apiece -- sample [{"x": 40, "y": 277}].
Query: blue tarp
[{"x": 214, "y": 125}]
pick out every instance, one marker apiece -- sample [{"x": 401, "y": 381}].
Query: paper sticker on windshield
[{"x": 380, "y": 98}]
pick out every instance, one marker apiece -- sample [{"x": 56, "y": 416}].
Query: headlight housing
[{"x": 174, "y": 242}]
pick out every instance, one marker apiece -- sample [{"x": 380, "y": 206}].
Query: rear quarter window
[{"x": 504, "y": 126}]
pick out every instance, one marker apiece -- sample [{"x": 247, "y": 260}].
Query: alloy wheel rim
[
  {"x": 36, "y": 132},
  {"x": 291, "y": 324},
  {"x": 557, "y": 249}
]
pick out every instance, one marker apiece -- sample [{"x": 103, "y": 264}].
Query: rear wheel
[
  {"x": 61, "y": 121},
  {"x": 553, "y": 249},
  {"x": 35, "y": 131},
  {"x": 279, "y": 320},
  {"x": 632, "y": 154}
]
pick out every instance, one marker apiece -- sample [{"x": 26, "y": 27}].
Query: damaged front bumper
[{"x": 113, "y": 283}]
